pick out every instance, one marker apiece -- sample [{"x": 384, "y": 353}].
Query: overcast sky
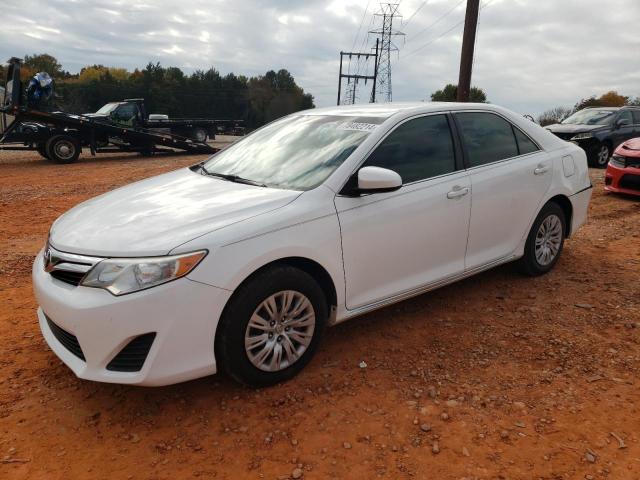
[{"x": 530, "y": 54}]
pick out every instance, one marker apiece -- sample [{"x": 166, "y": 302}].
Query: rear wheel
[
  {"x": 271, "y": 327},
  {"x": 545, "y": 241},
  {"x": 62, "y": 149}
]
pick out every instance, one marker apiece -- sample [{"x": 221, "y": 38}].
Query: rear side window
[
  {"x": 487, "y": 137},
  {"x": 418, "y": 149},
  {"x": 636, "y": 117},
  {"x": 525, "y": 145}
]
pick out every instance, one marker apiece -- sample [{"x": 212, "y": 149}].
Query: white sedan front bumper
[{"x": 183, "y": 314}]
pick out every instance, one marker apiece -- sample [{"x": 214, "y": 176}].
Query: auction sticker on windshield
[{"x": 359, "y": 126}]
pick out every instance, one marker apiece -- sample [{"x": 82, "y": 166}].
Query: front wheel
[
  {"x": 199, "y": 135},
  {"x": 62, "y": 149},
  {"x": 545, "y": 241},
  {"x": 271, "y": 327},
  {"x": 599, "y": 157}
]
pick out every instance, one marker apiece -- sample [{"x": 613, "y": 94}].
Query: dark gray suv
[{"x": 599, "y": 130}]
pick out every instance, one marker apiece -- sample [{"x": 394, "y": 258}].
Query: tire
[
  {"x": 199, "y": 135},
  {"x": 548, "y": 230},
  {"x": 42, "y": 150},
  {"x": 244, "y": 363},
  {"x": 62, "y": 149},
  {"x": 599, "y": 157}
]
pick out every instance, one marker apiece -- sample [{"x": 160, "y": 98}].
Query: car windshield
[
  {"x": 108, "y": 108},
  {"x": 590, "y": 117},
  {"x": 297, "y": 152}
]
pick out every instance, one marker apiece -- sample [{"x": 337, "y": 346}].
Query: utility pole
[
  {"x": 388, "y": 11},
  {"x": 352, "y": 79},
  {"x": 466, "y": 55}
]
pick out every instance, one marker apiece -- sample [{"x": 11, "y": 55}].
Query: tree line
[
  {"x": 608, "y": 99},
  {"x": 168, "y": 90}
]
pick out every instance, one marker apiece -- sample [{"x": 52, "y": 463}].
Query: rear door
[
  {"x": 396, "y": 242},
  {"x": 509, "y": 176}
]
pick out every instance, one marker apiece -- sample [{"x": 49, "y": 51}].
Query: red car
[{"x": 623, "y": 171}]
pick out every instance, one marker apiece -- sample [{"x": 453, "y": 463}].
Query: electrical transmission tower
[
  {"x": 353, "y": 78},
  {"x": 388, "y": 12}
]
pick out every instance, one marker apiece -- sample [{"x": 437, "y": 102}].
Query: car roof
[{"x": 385, "y": 110}]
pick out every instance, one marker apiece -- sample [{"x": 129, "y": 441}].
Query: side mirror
[
  {"x": 622, "y": 122},
  {"x": 377, "y": 180}
]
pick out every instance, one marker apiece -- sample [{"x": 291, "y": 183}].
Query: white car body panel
[
  {"x": 377, "y": 261},
  {"x": 376, "y": 249},
  {"x": 152, "y": 216},
  {"x": 513, "y": 193}
]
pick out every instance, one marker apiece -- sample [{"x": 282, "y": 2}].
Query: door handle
[
  {"x": 540, "y": 169},
  {"x": 458, "y": 192}
]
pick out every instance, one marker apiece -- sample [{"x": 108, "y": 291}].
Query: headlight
[
  {"x": 126, "y": 275},
  {"x": 582, "y": 136}
]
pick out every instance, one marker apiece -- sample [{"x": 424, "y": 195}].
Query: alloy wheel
[
  {"x": 548, "y": 240},
  {"x": 603, "y": 155},
  {"x": 280, "y": 331}
]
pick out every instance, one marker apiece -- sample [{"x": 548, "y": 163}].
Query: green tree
[
  {"x": 204, "y": 93},
  {"x": 450, "y": 91},
  {"x": 45, "y": 63}
]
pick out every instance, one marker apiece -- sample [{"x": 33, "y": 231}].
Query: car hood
[
  {"x": 631, "y": 147},
  {"x": 99, "y": 117},
  {"x": 566, "y": 128},
  {"x": 153, "y": 216}
]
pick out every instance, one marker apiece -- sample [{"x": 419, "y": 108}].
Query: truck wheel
[
  {"x": 199, "y": 135},
  {"x": 42, "y": 150},
  {"x": 63, "y": 149}
]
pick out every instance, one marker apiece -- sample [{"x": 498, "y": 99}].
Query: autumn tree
[{"x": 609, "y": 99}]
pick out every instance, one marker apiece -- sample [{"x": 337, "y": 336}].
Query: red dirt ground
[{"x": 510, "y": 377}]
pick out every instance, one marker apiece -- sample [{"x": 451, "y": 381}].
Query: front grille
[
  {"x": 632, "y": 182},
  {"x": 68, "y": 340},
  {"x": 72, "y": 278},
  {"x": 132, "y": 356},
  {"x": 67, "y": 267}
]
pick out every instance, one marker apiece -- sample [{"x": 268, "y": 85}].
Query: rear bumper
[
  {"x": 183, "y": 314},
  {"x": 622, "y": 180},
  {"x": 580, "y": 206}
]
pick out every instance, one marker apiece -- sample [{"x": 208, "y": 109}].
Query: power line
[
  {"x": 434, "y": 40},
  {"x": 414, "y": 13},
  {"x": 442, "y": 17},
  {"x": 355, "y": 40},
  {"x": 430, "y": 42}
]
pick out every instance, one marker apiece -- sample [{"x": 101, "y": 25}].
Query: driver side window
[
  {"x": 626, "y": 115},
  {"x": 418, "y": 149}
]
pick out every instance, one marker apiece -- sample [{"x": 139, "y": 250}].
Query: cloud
[{"x": 530, "y": 54}]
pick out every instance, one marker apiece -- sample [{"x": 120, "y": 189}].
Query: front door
[
  {"x": 624, "y": 132},
  {"x": 396, "y": 242}
]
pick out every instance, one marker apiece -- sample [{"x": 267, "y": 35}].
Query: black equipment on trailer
[{"x": 60, "y": 136}]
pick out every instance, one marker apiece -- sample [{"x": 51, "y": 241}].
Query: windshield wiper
[{"x": 230, "y": 178}]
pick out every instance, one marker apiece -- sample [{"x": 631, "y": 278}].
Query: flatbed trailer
[{"x": 60, "y": 136}]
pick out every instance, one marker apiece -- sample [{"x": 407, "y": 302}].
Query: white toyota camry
[{"x": 240, "y": 262}]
